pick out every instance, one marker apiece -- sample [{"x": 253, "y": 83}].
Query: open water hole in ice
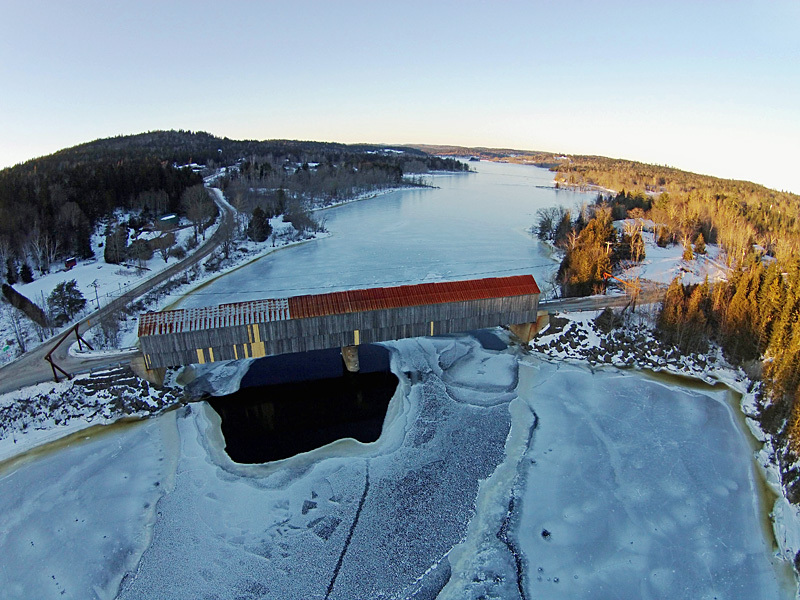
[{"x": 294, "y": 403}]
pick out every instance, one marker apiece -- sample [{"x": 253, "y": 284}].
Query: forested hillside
[
  {"x": 49, "y": 209},
  {"x": 184, "y": 147},
  {"x": 278, "y": 187},
  {"x": 50, "y": 206},
  {"x": 743, "y": 213}
]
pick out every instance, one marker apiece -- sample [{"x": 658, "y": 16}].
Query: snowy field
[
  {"x": 113, "y": 280},
  {"x": 99, "y": 283},
  {"x": 662, "y": 265}
]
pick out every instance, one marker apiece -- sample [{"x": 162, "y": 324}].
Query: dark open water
[{"x": 294, "y": 403}]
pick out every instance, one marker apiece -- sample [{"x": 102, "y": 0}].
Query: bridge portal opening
[{"x": 293, "y": 403}]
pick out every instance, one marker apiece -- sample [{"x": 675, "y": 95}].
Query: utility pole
[{"x": 95, "y": 285}]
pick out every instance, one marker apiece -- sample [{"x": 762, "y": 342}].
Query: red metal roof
[{"x": 317, "y": 305}]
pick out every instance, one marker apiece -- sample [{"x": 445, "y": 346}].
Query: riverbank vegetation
[
  {"x": 592, "y": 246},
  {"x": 754, "y": 315},
  {"x": 50, "y": 208},
  {"x": 278, "y": 185}
]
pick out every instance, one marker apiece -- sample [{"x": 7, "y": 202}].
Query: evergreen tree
[
  {"x": 25, "y": 273},
  {"x": 700, "y": 244},
  {"x": 116, "y": 245},
  {"x": 11, "y": 271},
  {"x": 739, "y": 338},
  {"x": 671, "y": 316},
  {"x": 280, "y": 198},
  {"x": 65, "y": 301},
  {"x": 259, "y": 228},
  {"x": 697, "y": 327},
  {"x": 563, "y": 229},
  {"x": 687, "y": 252},
  {"x": 581, "y": 272}
]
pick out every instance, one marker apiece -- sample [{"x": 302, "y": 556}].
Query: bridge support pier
[
  {"x": 350, "y": 356},
  {"x": 527, "y": 331},
  {"x": 154, "y": 376}
]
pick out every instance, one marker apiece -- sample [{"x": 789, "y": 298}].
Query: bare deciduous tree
[
  {"x": 42, "y": 247},
  {"x": 164, "y": 244},
  {"x": 632, "y": 231},
  {"x": 198, "y": 207}
]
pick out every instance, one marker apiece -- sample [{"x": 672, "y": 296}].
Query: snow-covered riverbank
[
  {"x": 579, "y": 341},
  {"x": 462, "y": 495},
  {"x": 48, "y": 412},
  {"x": 100, "y": 282},
  {"x": 497, "y": 473}
]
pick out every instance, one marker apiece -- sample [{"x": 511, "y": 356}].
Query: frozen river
[
  {"x": 473, "y": 225},
  {"x": 497, "y": 474}
]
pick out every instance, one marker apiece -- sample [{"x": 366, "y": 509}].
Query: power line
[{"x": 360, "y": 284}]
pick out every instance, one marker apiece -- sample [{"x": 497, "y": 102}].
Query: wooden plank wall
[{"x": 333, "y": 331}]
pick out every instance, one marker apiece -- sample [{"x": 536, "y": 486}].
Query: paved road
[{"x": 32, "y": 368}]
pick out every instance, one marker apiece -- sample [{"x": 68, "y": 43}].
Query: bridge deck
[{"x": 301, "y": 323}]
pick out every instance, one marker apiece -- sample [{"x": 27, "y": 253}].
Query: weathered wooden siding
[
  {"x": 315, "y": 322},
  {"x": 333, "y": 330}
]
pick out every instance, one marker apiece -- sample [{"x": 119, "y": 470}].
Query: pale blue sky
[{"x": 708, "y": 86}]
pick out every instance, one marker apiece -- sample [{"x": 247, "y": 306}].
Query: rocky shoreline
[
  {"x": 97, "y": 398},
  {"x": 603, "y": 341}
]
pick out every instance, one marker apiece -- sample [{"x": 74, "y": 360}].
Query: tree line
[
  {"x": 743, "y": 213},
  {"x": 184, "y": 147},
  {"x": 50, "y": 206},
  {"x": 754, "y": 315},
  {"x": 276, "y": 185},
  {"x": 125, "y": 242},
  {"x": 49, "y": 211}
]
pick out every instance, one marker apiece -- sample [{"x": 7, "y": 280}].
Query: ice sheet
[
  {"x": 637, "y": 489},
  {"x": 75, "y": 519},
  {"x": 348, "y": 520}
]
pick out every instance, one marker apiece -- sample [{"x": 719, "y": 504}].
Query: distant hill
[
  {"x": 49, "y": 206},
  {"x": 614, "y": 173},
  {"x": 184, "y": 147},
  {"x": 749, "y": 212},
  {"x": 546, "y": 159}
]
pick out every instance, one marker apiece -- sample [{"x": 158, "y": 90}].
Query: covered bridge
[{"x": 339, "y": 319}]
